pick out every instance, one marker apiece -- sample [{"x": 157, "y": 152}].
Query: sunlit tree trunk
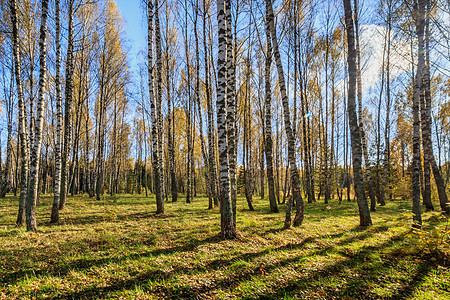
[
  {"x": 268, "y": 120},
  {"x": 228, "y": 229},
  {"x": 295, "y": 177},
  {"x": 33, "y": 184},
  {"x": 199, "y": 108},
  {"x": 248, "y": 180},
  {"x": 159, "y": 118},
  {"x": 68, "y": 110},
  {"x": 57, "y": 187},
  {"x": 153, "y": 112},
  {"x": 425, "y": 99},
  {"x": 22, "y": 119},
  {"x": 231, "y": 107},
  {"x": 188, "y": 112},
  {"x": 209, "y": 105},
  {"x": 170, "y": 121},
  {"x": 364, "y": 213},
  {"x": 416, "y": 161},
  {"x": 364, "y": 143},
  {"x": 387, "y": 142}
]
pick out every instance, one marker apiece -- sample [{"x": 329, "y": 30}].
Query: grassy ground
[{"x": 118, "y": 248}]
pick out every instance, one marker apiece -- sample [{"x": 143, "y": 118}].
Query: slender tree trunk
[
  {"x": 228, "y": 230},
  {"x": 231, "y": 107},
  {"x": 364, "y": 213},
  {"x": 370, "y": 184},
  {"x": 159, "y": 117},
  {"x": 17, "y": 179},
  {"x": 386, "y": 161},
  {"x": 268, "y": 121},
  {"x": 248, "y": 182},
  {"x": 170, "y": 120},
  {"x": 416, "y": 163},
  {"x": 199, "y": 108},
  {"x": 57, "y": 187},
  {"x": 6, "y": 184},
  {"x": 68, "y": 110},
  {"x": 277, "y": 157},
  {"x": 188, "y": 111},
  {"x": 33, "y": 184},
  {"x": 262, "y": 174},
  {"x": 378, "y": 137},
  {"x": 211, "y": 144},
  {"x": 426, "y": 192},
  {"x": 426, "y": 115},
  {"x": 153, "y": 108},
  {"x": 22, "y": 119},
  {"x": 325, "y": 139},
  {"x": 295, "y": 177}
]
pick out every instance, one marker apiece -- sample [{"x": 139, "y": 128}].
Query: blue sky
[{"x": 132, "y": 13}]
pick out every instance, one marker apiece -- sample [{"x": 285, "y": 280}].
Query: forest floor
[{"x": 118, "y": 248}]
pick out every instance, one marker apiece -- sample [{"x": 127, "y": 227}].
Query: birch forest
[{"x": 194, "y": 155}]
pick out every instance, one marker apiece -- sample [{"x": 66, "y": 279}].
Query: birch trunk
[
  {"x": 416, "y": 162},
  {"x": 364, "y": 145},
  {"x": 153, "y": 112},
  {"x": 268, "y": 121},
  {"x": 387, "y": 127},
  {"x": 170, "y": 121},
  {"x": 188, "y": 112},
  {"x": 57, "y": 187},
  {"x": 228, "y": 229},
  {"x": 295, "y": 177},
  {"x": 364, "y": 213},
  {"x": 159, "y": 118},
  {"x": 426, "y": 117},
  {"x": 231, "y": 106},
  {"x": 33, "y": 186},
  {"x": 209, "y": 106},
  {"x": 6, "y": 185},
  {"x": 68, "y": 110},
  {"x": 420, "y": 30},
  {"x": 22, "y": 127}
]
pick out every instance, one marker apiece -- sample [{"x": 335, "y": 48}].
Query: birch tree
[
  {"x": 360, "y": 111},
  {"x": 154, "y": 127},
  {"x": 230, "y": 94},
  {"x": 22, "y": 119},
  {"x": 57, "y": 186},
  {"x": 228, "y": 229},
  {"x": 67, "y": 110},
  {"x": 295, "y": 176},
  {"x": 364, "y": 213},
  {"x": 33, "y": 184},
  {"x": 9, "y": 109},
  {"x": 425, "y": 7},
  {"x": 268, "y": 120},
  {"x": 209, "y": 107}
]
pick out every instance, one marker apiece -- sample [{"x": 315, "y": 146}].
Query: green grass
[{"x": 118, "y": 248}]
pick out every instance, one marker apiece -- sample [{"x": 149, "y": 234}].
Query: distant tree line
[{"x": 253, "y": 98}]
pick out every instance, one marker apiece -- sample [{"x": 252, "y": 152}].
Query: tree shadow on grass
[
  {"x": 273, "y": 231},
  {"x": 100, "y": 217},
  {"x": 191, "y": 292},
  {"x": 359, "y": 274},
  {"x": 159, "y": 277},
  {"x": 356, "y": 283},
  {"x": 84, "y": 264}
]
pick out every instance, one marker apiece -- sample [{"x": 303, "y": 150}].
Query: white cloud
[{"x": 372, "y": 47}]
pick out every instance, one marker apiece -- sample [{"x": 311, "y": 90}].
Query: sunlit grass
[{"x": 118, "y": 248}]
